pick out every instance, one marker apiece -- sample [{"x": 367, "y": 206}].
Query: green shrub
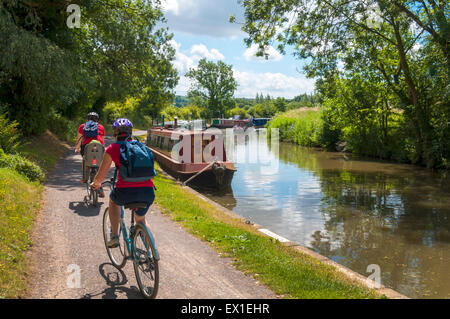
[
  {"x": 303, "y": 127},
  {"x": 22, "y": 165},
  {"x": 64, "y": 128},
  {"x": 9, "y": 135}
]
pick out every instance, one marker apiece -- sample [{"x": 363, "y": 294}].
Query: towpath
[{"x": 68, "y": 237}]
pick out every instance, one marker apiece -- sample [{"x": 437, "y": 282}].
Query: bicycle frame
[{"x": 129, "y": 243}]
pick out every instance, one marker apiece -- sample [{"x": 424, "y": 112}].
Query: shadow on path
[
  {"x": 115, "y": 279},
  {"x": 85, "y": 210}
]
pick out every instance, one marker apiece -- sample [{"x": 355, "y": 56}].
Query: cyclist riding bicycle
[
  {"x": 87, "y": 133},
  {"x": 124, "y": 192}
]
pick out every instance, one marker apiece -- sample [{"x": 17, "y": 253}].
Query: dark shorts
[{"x": 123, "y": 196}]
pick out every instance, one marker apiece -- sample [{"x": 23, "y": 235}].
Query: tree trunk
[{"x": 420, "y": 113}]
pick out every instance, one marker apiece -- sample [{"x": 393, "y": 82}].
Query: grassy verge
[
  {"x": 19, "y": 203},
  {"x": 285, "y": 270},
  {"x": 301, "y": 126},
  {"x": 45, "y": 150}
]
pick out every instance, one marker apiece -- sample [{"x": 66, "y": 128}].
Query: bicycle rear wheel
[
  {"x": 118, "y": 255},
  {"x": 93, "y": 192},
  {"x": 145, "y": 266},
  {"x": 89, "y": 190}
]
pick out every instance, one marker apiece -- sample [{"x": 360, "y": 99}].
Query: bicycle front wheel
[
  {"x": 118, "y": 255},
  {"x": 145, "y": 263}
]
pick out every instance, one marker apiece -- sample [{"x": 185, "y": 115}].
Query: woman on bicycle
[
  {"x": 83, "y": 140},
  {"x": 124, "y": 192}
]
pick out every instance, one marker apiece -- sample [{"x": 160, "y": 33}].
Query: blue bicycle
[{"x": 138, "y": 247}]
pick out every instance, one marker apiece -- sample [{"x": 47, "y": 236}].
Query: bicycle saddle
[{"x": 135, "y": 205}]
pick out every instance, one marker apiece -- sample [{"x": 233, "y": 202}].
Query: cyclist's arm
[
  {"x": 102, "y": 171},
  {"x": 77, "y": 146},
  {"x": 102, "y": 132}
]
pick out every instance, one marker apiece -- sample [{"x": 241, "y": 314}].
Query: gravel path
[{"x": 68, "y": 237}]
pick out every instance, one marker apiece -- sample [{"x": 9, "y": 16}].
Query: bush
[
  {"x": 9, "y": 135},
  {"x": 22, "y": 165},
  {"x": 64, "y": 128},
  {"x": 128, "y": 109},
  {"x": 303, "y": 127}
]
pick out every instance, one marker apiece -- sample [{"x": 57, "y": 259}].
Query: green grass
[
  {"x": 283, "y": 269},
  {"x": 301, "y": 126},
  {"x": 45, "y": 150},
  {"x": 20, "y": 201}
]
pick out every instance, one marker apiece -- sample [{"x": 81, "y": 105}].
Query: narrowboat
[
  {"x": 260, "y": 122},
  {"x": 181, "y": 153},
  {"x": 229, "y": 123}
]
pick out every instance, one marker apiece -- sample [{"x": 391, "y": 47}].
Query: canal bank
[
  {"x": 289, "y": 269},
  {"x": 361, "y": 213}
]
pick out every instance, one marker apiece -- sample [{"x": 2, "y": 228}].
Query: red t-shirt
[
  {"x": 87, "y": 140},
  {"x": 114, "y": 151}
]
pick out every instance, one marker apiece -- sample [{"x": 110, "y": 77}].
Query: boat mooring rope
[{"x": 204, "y": 169}]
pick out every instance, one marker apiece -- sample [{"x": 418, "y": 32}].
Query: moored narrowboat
[
  {"x": 260, "y": 122},
  {"x": 229, "y": 123},
  {"x": 181, "y": 153}
]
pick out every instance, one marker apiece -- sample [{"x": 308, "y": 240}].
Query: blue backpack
[
  {"x": 90, "y": 129},
  {"x": 136, "y": 161}
]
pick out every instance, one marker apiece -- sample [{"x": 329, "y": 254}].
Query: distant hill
[{"x": 180, "y": 101}]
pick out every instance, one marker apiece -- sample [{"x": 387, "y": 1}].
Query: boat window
[
  {"x": 166, "y": 143},
  {"x": 158, "y": 142}
]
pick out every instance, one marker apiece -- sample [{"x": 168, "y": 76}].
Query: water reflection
[{"x": 357, "y": 212}]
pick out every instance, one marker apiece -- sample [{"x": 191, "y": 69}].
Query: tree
[
  {"x": 280, "y": 104},
  {"x": 403, "y": 45},
  {"x": 46, "y": 67},
  {"x": 35, "y": 71},
  {"x": 126, "y": 54},
  {"x": 192, "y": 112},
  {"x": 238, "y": 111},
  {"x": 213, "y": 83}
]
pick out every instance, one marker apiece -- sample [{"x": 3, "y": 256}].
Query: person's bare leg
[
  {"x": 82, "y": 170},
  {"x": 114, "y": 217},
  {"x": 140, "y": 219}
]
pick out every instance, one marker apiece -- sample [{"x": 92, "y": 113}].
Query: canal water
[{"x": 357, "y": 212}]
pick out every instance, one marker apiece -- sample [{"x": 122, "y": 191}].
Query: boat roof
[{"x": 179, "y": 131}]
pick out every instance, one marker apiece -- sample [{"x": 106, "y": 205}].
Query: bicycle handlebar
[{"x": 110, "y": 182}]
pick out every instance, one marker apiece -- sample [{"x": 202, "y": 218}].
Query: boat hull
[{"x": 216, "y": 176}]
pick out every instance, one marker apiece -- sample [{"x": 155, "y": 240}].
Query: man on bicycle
[
  {"x": 124, "y": 192},
  {"x": 83, "y": 139}
]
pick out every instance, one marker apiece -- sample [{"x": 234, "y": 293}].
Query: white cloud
[
  {"x": 182, "y": 62},
  {"x": 274, "y": 84},
  {"x": 185, "y": 61},
  {"x": 200, "y": 51},
  {"x": 203, "y": 17},
  {"x": 273, "y": 55},
  {"x": 250, "y": 83},
  {"x": 171, "y": 6}
]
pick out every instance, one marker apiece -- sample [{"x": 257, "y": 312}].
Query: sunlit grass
[
  {"x": 20, "y": 201},
  {"x": 301, "y": 126}
]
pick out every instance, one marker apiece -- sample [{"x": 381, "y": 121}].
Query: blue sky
[{"x": 201, "y": 30}]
